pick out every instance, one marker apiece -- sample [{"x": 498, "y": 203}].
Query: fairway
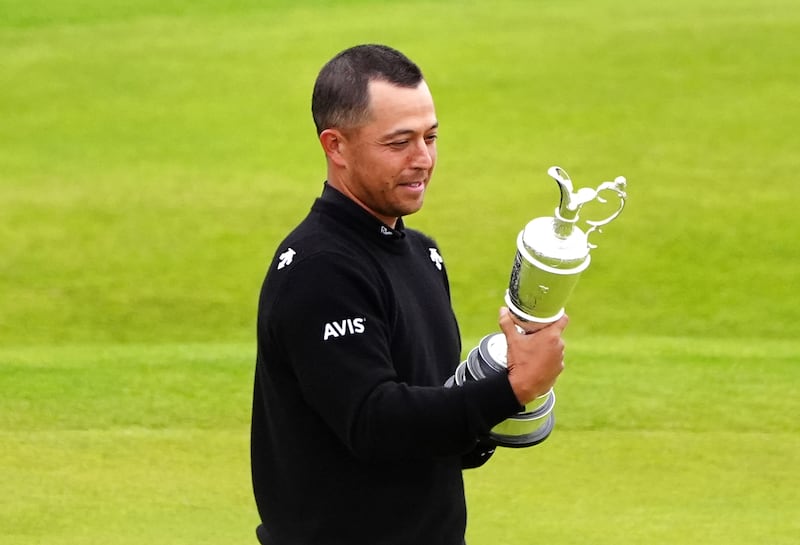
[
  {"x": 695, "y": 441},
  {"x": 152, "y": 154}
]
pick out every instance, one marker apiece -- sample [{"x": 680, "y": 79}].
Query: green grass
[
  {"x": 152, "y": 157},
  {"x": 126, "y": 444},
  {"x": 152, "y": 154},
  {"x": 658, "y": 441}
]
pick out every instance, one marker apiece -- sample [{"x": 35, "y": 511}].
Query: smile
[{"x": 413, "y": 186}]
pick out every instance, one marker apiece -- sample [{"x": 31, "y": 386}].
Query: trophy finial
[{"x": 566, "y": 214}]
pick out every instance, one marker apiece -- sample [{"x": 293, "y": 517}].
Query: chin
[{"x": 412, "y": 209}]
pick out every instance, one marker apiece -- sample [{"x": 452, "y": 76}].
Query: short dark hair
[{"x": 341, "y": 97}]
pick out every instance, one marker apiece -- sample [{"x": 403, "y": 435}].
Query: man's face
[{"x": 390, "y": 158}]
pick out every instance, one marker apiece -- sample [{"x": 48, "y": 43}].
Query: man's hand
[{"x": 535, "y": 359}]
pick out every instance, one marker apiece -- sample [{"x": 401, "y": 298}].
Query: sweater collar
[{"x": 355, "y": 216}]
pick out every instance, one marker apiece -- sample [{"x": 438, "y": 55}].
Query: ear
[{"x": 334, "y": 145}]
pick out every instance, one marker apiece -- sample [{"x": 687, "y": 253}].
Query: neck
[{"x": 344, "y": 190}]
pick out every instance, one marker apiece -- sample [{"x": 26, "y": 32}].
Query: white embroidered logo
[
  {"x": 286, "y": 258},
  {"x": 350, "y": 326},
  {"x": 385, "y": 230},
  {"x": 436, "y": 258}
]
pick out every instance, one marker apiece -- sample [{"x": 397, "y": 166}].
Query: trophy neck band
[{"x": 521, "y": 314}]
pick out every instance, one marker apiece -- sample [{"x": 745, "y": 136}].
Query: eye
[
  {"x": 398, "y": 144},
  {"x": 431, "y": 138}
]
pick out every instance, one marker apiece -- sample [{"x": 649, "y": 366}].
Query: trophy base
[
  {"x": 526, "y": 428},
  {"x": 526, "y": 440}
]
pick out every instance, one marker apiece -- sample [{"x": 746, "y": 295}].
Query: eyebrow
[{"x": 403, "y": 132}]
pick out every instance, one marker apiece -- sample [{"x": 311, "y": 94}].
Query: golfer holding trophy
[{"x": 552, "y": 252}]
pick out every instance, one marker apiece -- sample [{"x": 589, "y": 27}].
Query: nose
[{"x": 423, "y": 154}]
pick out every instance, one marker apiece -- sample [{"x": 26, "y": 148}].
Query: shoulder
[
  {"x": 313, "y": 242},
  {"x": 317, "y": 261},
  {"x": 315, "y": 257},
  {"x": 420, "y": 241},
  {"x": 310, "y": 284},
  {"x": 420, "y": 238},
  {"x": 424, "y": 245}
]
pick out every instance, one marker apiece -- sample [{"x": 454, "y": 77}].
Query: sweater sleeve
[{"x": 335, "y": 333}]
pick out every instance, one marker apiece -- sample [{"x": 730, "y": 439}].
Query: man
[{"x": 354, "y": 438}]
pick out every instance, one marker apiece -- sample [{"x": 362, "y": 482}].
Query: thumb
[
  {"x": 506, "y": 323},
  {"x": 561, "y": 323}
]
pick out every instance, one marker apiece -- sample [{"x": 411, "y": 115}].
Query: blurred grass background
[{"x": 152, "y": 154}]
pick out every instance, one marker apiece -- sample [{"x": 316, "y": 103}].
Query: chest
[{"x": 425, "y": 339}]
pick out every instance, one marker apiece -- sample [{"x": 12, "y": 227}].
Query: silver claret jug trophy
[{"x": 552, "y": 252}]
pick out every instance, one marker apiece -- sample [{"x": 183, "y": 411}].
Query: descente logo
[{"x": 350, "y": 326}]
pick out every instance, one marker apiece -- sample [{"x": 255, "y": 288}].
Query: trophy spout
[
  {"x": 566, "y": 214},
  {"x": 565, "y": 187}
]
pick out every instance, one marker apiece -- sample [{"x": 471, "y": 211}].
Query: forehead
[{"x": 392, "y": 107}]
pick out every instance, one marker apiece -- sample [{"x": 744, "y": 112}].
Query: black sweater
[{"x": 354, "y": 439}]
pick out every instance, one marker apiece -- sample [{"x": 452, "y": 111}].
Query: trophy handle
[{"x": 618, "y": 188}]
